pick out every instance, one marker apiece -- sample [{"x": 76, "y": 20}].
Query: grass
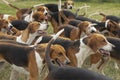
[{"x": 107, "y": 8}]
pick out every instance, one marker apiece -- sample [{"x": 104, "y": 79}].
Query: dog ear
[{"x": 35, "y": 16}]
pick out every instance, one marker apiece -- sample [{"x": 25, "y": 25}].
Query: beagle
[
  {"x": 76, "y": 32},
  {"x": 104, "y": 59},
  {"x": 68, "y": 4},
  {"x": 29, "y": 58},
  {"x": 109, "y": 26},
  {"x": 29, "y": 34},
  {"x": 71, "y": 47},
  {"x": 4, "y": 25},
  {"x": 111, "y": 17},
  {"x": 55, "y": 21},
  {"x": 7, "y": 17},
  {"x": 26, "y": 11},
  {"x": 91, "y": 44},
  {"x": 67, "y": 72}
]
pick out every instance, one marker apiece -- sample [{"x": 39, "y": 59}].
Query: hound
[{"x": 69, "y": 73}]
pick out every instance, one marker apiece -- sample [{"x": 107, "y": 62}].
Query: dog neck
[{"x": 84, "y": 52}]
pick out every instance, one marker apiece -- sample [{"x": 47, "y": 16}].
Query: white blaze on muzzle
[
  {"x": 43, "y": 25},
  {"x": 91, "y": 28}
]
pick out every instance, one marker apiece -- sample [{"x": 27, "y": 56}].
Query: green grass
[{"x": 107, "y": 8}]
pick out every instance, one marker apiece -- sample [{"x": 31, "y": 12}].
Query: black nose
[
  {"x": 70, "y": 7},
  {"x": 46, "y": 13},
  {"x": 67, "y": 62}
]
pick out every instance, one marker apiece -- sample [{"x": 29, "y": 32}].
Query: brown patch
[
  {"x": 32, "y": 66},
  {"x": 96, "y": 41},
  {"x": 3, "y": 23},
  {"x": 33, "y": 27},
  {"x": 56, "y": 52},
  {"x": 42, "y": 8},
  {"x": 11, "y": 18},
  {"x": 1, "y": 16},
  {"x": 94, "y": 58},
  {"x": 39, "y": 16},
  {"x": 71, "y": 55}
]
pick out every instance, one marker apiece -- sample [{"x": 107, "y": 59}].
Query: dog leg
[
  {"x": 32, "y": 67},
  {"x": 104, "y": 61}
]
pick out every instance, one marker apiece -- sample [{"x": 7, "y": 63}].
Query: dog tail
[
  {"x": 47, "y": 51},
  {"x": 10, "y": 5},
  {"x": 102, "y": 14}
]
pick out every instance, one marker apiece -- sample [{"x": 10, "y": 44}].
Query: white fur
[
  {"x": 9, "y": 24},
  {"x": 18, "y": 39},
  {"x": 106, "y": 23},
  {"x": 43, "y": 26},
  {"x": 83, "y": 53},
  {"x": 58, "y": 33},
  {"x": 31, "y": 38},
  {"x": 91, "y": 28},
  {"x": 108, "y": 47},
  {"x": 38, "y": 40},
  {"x": 38, "y": 61},
  {"x": 45, "y": 10},
  {"x": 6, "y": 16},
  {"x": 29, "y": 17}
]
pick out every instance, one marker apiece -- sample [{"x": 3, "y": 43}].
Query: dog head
[
  {"x": 4, "y": 25},
  {"x": 69, "y": 4},
  {"x": 87, "y": 27},
  {"x": 57, "y": 53},
  {"x": 43, "y": 9},
  {"x": 113, "y": 27},
  {"x": 98, "y": 42},
  {"x": 34, "y": 29},
  {"x": 40, "y": 17}
]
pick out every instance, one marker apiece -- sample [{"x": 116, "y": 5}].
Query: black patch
[
  {"x": 100, "y": 26},
  {"x": 15, "y": 53},
  {"x": 65, "y": 43},
  {"x": 67, "y": 13},
  {"x": 114, "y": 18},
  {"x": 20, "y": 24},
  {"x": 74, "y": 22},
  {"x": 82, "y": 18},
  {"x": 52, "y": 7},
  {"x": 115, "y": 53},
  {"x": 72, "y": 73},
  {"x": 67, "y": 31}
]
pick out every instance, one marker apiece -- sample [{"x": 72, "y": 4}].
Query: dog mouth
[
  {"x": 104, "y": 52},
  {"x": 41, "y": 32}
]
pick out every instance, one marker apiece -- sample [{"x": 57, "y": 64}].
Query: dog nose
[
  {"x": 67, "y": 62},
  {"x": 70, "y": 7},
  {"x": 93, "y": 31},
  {"x": 46, "y": 13}
]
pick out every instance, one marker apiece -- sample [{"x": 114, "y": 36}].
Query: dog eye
[
  {"x": 68, "y": 4},
  {"x": 60, "y": 54}
]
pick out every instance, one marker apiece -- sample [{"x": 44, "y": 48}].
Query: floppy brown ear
[
  {"x": 26, "y": 35},
  {"x": 36, "y": 16},
  {"x": 91, "y": 43},
  {"x": 30, "y": 28}
]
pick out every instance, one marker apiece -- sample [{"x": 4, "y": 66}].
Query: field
[{"x": 107, "y": 8}]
